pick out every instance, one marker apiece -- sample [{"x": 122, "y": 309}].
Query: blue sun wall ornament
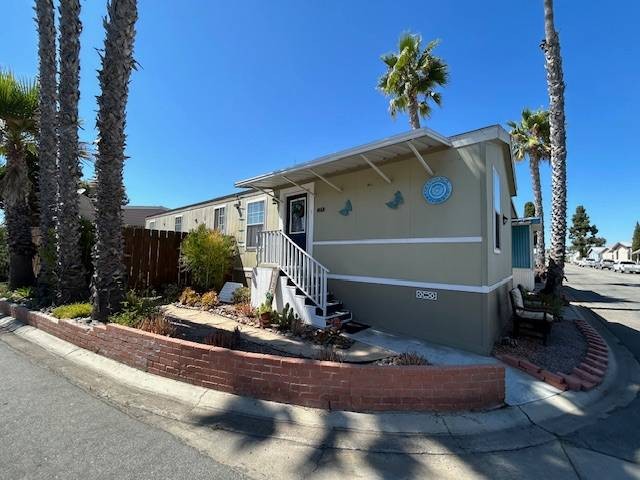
[
  {"x": 347, "y": 209},
  {"x": 437, "y": 190},
  {"x": 396, "y": 202}
]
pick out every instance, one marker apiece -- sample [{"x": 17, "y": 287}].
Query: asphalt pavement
[{"x": 52, "y": 429}]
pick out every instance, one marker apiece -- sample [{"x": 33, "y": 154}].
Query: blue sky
[{"x": 229, "y": 90}]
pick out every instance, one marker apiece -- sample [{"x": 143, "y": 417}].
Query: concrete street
[{"x": 60, "y": 420}]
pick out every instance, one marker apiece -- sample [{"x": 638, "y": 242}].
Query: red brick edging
[
  {"x": 309, "y": 383},
  {"x": 585, "y": 376}
]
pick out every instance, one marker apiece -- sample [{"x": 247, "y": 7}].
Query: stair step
[{"x": 332, "y": 307}]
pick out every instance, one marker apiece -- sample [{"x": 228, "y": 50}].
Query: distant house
[
  {"x": 135, "y": 215},
  {"x": 597, "y": 253},
  {"x": 618, "y": 251},
  {"x": 132, "y": 215}
]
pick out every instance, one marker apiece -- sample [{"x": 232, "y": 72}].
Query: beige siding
[
  {"x": 235, "y": 220},
  {"x": 498, "y": 264},
  {"x": 451, "y": 262}
]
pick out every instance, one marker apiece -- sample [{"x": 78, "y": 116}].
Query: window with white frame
[
  {"x": 255, "y": 222},
  {"x": 497, "y": 212},
  {"x": 219, "y": 214},
  {"x": 177, "y": 226},
  {"x": 152, "y": 225}
]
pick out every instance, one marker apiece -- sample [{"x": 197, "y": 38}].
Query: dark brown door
[{"x": 297, "y": 219}]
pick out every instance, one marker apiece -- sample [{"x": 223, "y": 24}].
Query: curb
[{"x": 587, "y": 375}]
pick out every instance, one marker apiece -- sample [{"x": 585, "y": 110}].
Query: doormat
[{"x": 354, "y": 327}]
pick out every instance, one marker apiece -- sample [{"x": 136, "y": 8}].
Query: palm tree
[
  {"x": 70, "y": 270},
  {"x": 18, "y": 128},
  {"x": 558, "y": 138},
  {"x": 412, "y": 76},
  {"x": 530, "y": 138},
  {"x": 47, "y": 147},
  {"x": 117, "y": 63}
]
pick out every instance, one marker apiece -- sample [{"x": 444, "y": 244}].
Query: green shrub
[
  {"x": 170, "y": 292},
  {"x": 208, "y": 255},
  {"x": 4, "y": 290},
  {"x": 134, "y": 309},
  {"x": 73, "y": 310},
  {"x": 241, "y": 295},
  {"x": 189, "y": 297},
  {"x": 209, "y": 299},
  {"x": 20, "y": 295}
]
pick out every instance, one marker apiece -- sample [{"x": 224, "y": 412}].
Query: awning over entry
[{"x": 371, "y": 155}]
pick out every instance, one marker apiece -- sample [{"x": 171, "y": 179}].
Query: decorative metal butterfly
[
  {"x": 347, "y": 208},
  {"x": 396, "y": 202}
]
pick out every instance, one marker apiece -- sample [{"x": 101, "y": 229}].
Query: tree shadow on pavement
[
  {"x": 589, "y": 296},
  {"x": 256, "y": 428}
]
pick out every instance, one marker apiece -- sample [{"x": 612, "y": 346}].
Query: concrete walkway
[{"x": 359, "y": 352}]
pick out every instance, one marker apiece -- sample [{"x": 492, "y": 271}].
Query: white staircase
[{"x": 303, "y": 280}]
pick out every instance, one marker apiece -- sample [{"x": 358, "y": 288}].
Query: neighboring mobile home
[
  {"x": 241, "y": 215},
  {"x": 522, "y": 250}
]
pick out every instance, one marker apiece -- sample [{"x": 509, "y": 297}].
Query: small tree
[
  {"x": 583, "y": 234},
  {"x": 208, "y": 255},
  {"x": 529, "y": 210},
  {"x": 635, "y": 242}
]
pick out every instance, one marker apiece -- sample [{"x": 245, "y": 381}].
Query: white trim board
[
  {"x": 381, "y": 241},
  {"x": 414, "y": 284}
]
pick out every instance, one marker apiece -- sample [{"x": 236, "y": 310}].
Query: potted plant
[{"x": 264, "y": 311}]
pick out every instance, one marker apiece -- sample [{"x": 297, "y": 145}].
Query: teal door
[{"x": 520, "y": 246}]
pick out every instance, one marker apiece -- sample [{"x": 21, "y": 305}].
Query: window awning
[{"x": 371, "y": 155}]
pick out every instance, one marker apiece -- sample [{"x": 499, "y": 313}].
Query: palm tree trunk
[
  {"x": 71, "y": 276},
  {"x": 117, "y": 63},
  {"x": 555, "y": 83},
  {"x": 534, "y": 166},
  {"x": 18, "y": 221},
  {"x": 414, "y": 115},
  {"x": 47, "y": 148}
]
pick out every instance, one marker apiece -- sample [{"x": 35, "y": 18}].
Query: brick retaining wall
[{"x": 310, "y": 383}]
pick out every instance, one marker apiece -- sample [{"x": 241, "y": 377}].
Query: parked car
[
  {"x": 587, "y": 262},
  {"x": 605, "y": 264},
  {"x": 626, "y": 266}
]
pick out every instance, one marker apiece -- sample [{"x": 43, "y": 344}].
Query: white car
[
  {"x": 587, "y": 262},
  {"x": 626, "y": 266}
]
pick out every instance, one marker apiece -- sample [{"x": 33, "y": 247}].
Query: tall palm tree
[
  {"x": 18, "y": 128},
  {"x": 412, "y": 77},
  {"x": 558, "y": 137},
  {"x": 117, "y": 63},
  {"x": 70, "y": 270},
  {"x": 530, "y": 138},
  {"x": 47, "y": 147}
]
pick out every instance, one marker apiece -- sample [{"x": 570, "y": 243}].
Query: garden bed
[{"x": 564, "y": 351}]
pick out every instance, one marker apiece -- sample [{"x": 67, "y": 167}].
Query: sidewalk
[{"x": 283, "y": 441}]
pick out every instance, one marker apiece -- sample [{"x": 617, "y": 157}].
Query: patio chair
[
  {"x": 534, "y": 300},
  {"x": 532, "y": 318}
]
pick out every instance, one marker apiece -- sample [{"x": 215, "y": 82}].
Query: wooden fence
[{"x": 152, "y": 257}]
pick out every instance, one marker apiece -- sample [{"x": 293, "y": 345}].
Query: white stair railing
[{"x": 309, "y": 275}]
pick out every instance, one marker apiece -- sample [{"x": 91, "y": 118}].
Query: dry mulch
[{"x": 564, "y": 351}]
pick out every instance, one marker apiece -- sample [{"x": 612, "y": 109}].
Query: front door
[{"x": 296, "y": 223}]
